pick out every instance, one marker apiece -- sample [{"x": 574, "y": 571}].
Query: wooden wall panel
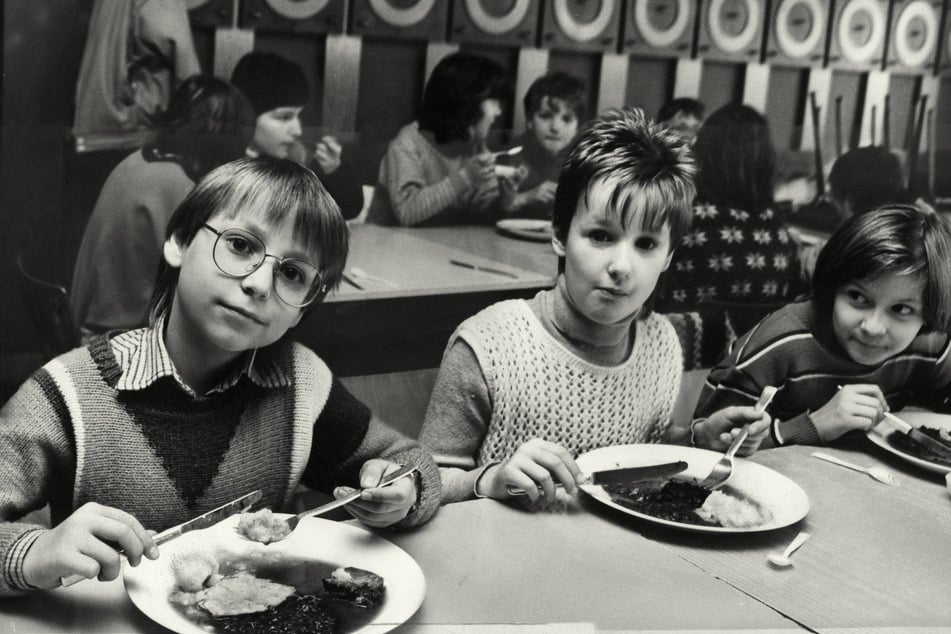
[
  {"x": 720, "y": 84},
  {"x": 850, "y": 88},
  {"x": 496, "y": 22},
  {"x": 211, "y": 13},
  {"x": 650, "y": 83},
  {"x": 785, "y": 105},
  {"x": 943, "y": 57}
]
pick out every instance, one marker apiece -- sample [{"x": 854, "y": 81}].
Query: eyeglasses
[{"x": 239, "y": 253}]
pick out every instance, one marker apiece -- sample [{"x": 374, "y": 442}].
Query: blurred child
[
  {"x": 151, "y": 427},
  {"x": 682, "y": 116},
  {"x": 438, "y": 169},
  {"x": 207, "y": 124},
  {"x": 876, "y": 325},
  {"x": 525, "y": 385},
  {"x": 278, "y": 90},
  {"x": 555, "y": 105}
]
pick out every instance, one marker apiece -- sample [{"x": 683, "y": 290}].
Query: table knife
[
  {"x": 935, "y": 446},
  {"x": 627, "y": 475},
  {"x": 484, "y": 269},
  {"x": 204, "y": 520}
]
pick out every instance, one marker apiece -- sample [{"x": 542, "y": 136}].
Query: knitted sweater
[
  {"x": 505, "y": 379},
  {"x": 791, "y": 350},
  {"x": 419, "y": 185},
  {"x": 112, "y": 423}
]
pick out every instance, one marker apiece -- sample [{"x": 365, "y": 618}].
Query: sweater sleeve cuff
[
  {"x": 13, "y": 565},
  {"x": 796, "y": 431},
  {"x": 429, "y": 494},
  {"x": 460, "y": 182}
]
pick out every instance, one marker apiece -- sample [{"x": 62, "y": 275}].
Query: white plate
[
  {"x": 930, "y": 419},
  {"x": 315, "y": 539},
  {"x": 784, "y": 499},
  {"x": 538, "y": 230}
]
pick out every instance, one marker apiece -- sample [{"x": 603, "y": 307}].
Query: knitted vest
[
  {"x": 175, "y": 456},
  {"x": 539, "y": 389}
]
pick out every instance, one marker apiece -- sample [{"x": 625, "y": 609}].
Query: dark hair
[
  {"x": 649, "y": 167},
  {"x": 686, "y": 105},
  {"x": 280, "y": 189},
  {"x": 866, "y": 178},
  {"x": 900, "y": 239},
  {"x": 736, "y": 162},
  {"x": 208, "y": 122},
  {"x": 270, "y": 81},
  {"x": 452, "y": 99},
  {"x": 557, "y": 85}
]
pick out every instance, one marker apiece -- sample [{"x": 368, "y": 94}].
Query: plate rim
[
  {"x": 878, "y": 439},
  {"x": 597, "y": 492},
  {"x": 134, "y": 575},
  {"x": 521, "y": 227}
]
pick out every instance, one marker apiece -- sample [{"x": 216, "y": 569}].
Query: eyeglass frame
[{"x": 318, "y": 282}]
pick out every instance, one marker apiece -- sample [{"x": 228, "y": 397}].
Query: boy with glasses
[{"x": 151, "y": 427}]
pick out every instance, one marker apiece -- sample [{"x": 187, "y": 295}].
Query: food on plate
[
  {"x": 903, "y": 442},
  {"x": 689, "y": 503},
  {"x": 359, "y": 587},
  {"x": 195, "y": 563},
  {"x": 262, "y": 526},
  {"x": 242, "y": 593},
  {"x": 299, "y": 614}
]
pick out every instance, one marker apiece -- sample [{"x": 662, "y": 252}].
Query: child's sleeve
[
  {"x": 457, "y": 420},
  {"x": 414, "y": 200},
  {"x": 347, "y": 434},
  {"x": 345, "y": 186},
  {"x": 36, "y": 452}
]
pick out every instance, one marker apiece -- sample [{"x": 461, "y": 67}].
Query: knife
[
  {"x": 932, "y": 445},
  {"x": 485, "y": 269},
  {"x": 204, "y": 520},
  {"x": 628, "y": 475}
]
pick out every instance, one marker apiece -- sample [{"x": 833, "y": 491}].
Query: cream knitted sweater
[{"x": 534, "y": 386}]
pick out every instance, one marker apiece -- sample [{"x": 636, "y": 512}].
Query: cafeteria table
[
  {"x": 877, "y": 561},
  {"x": 411, "y": 296}
]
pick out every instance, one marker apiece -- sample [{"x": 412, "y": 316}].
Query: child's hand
[
  {"x": 328, "y": 154},
  {"x": 381, "y": 506},
  {"x": 858, "y": 406},
  {"x": 720, "y": 428},
  {"x": 537, "y": 463},
  {"x": 86, "y": 543},
  {"x": 485, "y": 195},
  {"x": 543, "y": 193},
  {"x": 479, "y": 168}
]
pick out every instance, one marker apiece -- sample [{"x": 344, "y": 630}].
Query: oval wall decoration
[
  {"x": 799, "y": 27},
  {"x": 497, "y": 24},
  {"x": 402, "y": 17},
  {"x": 591, "y": 23},
  {"x": 861, "y": 30},
  {"x": 733, "y": 24},
  {"x": 661, "y": 22},
  {"x": 297, "y": 9},
  {"x": 915, "y": 34}
]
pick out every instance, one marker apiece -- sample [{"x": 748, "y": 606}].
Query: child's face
[
  {"x": 685, "y": 126},
  {"x": 554, "y": 124},
  {"x": 276, "y": 131},
  {"x": 479, "y": 131},
  {"x": 610, "y": 270},
  {"x": 875, "y": 319},
  {"x": 228, "y": 314}
]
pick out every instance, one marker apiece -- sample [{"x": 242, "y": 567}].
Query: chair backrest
[{"x": 47, "y": 305}]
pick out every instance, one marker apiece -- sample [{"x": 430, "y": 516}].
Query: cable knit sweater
[
  {"x": 510, "y": 375},
  {"x": 112, "y": 423}
]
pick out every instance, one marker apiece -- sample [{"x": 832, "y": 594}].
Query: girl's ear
[
  {"x": 557, "y": 245},
  {"x": 173, "y": 251}
]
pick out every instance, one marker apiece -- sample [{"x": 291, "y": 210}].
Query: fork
[{"x": 723, "y": 469}]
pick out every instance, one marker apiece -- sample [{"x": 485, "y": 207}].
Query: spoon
[
  {"x": 876, "y": 472},
  {"x": 509, "y": 152},
  {"x": 783, "y": 560}
]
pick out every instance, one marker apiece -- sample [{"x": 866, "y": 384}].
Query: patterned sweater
[
  {"x": 789, "y": 350},
  {"x": 113, "y": 423},
  {"x": 505, "y": 379}
]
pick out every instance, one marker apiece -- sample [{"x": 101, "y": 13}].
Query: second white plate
[
  {"x": 783, "y": 498},
  {"x": 538, "y": 230}
]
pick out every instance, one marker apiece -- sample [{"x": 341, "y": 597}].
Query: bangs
[{"x": 649, "y": 206}]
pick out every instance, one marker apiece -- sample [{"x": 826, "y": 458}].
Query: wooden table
[
  {"x": 405, "y": 325},
  {"x": 878, "y": 558}
]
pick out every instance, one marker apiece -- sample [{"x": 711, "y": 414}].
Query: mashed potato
[
  {"x": 732, "y": 512},
  {"x": 262, "y": 526}
]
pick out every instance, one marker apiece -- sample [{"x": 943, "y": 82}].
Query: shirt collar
[{"x": 143, "y": 359}]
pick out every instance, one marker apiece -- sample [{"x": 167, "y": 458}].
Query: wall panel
[
  {"x": 721, "y": 83},
  {"x": 650, "y": 83}
]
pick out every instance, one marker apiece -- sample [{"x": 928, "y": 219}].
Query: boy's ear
[
  {"x": 173, "y": 251},
  {"x": 558, "y": 246},
  {"x": 670, "y": 257}
]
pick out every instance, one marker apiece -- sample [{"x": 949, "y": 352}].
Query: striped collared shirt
[{"x": 143, "y": 358}]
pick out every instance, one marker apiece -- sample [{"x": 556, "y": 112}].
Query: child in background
[
  {"x": 438, "y": 170},
  {"x": 208, "y": 123},
  {"x": 278, "y": 90},
  {"x": 525, "y": 385},
  {"x": 555, "y": 105},
  {"x": 682, "y": 116},
  {"x": 876, "y": 325},
  {"x": 152, "y": 427}
]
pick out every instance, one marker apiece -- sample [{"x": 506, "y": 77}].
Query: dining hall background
[{"x": 879, "y": 72}]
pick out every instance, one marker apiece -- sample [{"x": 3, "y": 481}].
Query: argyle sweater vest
[
  {"x": 539, "y": 389},
  {"x": 165, "y": 456}
]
